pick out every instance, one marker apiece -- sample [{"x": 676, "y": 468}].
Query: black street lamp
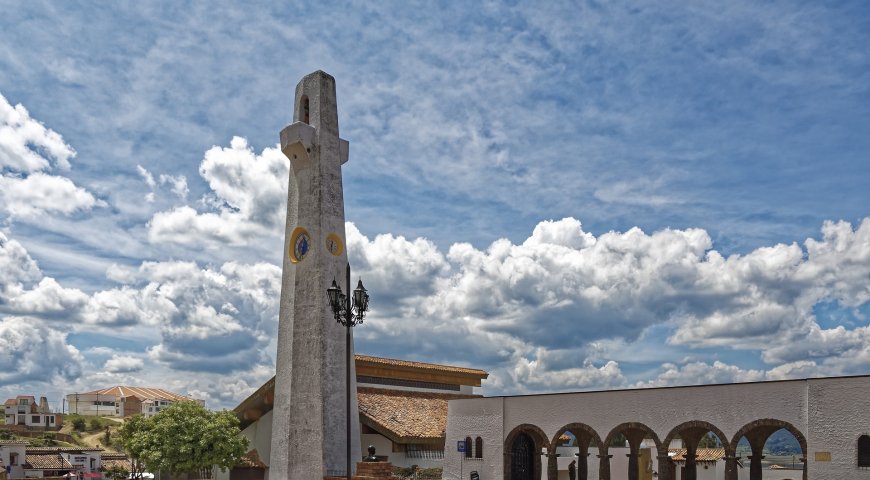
[{"x": 349, "y": 315}]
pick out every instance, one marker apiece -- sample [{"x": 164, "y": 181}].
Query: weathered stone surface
[{"x": 309, "y": 426}]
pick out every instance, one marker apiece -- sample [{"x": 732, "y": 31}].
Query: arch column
[
  {"x": 731, "y": 466},
  {"x": 552, "y": 465},
  {"x": 665, "y": 466},
  {"x": 604, "y": 467},
  {"x": 582, "y": 464}
]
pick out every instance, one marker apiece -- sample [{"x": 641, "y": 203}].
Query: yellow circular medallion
[
  {"x": 300, "y": 245},
  {"x": 334, "y": 244}
]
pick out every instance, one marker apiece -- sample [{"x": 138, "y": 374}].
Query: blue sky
[{"x": 573, "y": 196}]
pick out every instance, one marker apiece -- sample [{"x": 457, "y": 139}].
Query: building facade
[
  {"x": 24, "y": 411},
  {"x": 402, "y": 411},
  {"x": 124, "y": 401},
  {"x": 827, "y": 416},
  {"x": 23, "y": 461}
]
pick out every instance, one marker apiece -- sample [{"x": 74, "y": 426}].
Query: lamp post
[{"x": 348, "y": 315}]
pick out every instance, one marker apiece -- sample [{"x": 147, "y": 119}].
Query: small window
[
  {"x": 468, "y": 446},
  {"x": 478, "y": 447},
  {"x": 864, "y": 451},
  {"x": 13, "y": 459},
  {"x": 35, "y": 419}
]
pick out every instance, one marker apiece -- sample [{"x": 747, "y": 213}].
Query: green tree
[
  {"x": 96, "y": 424},
  {"x": 46, "y": 440},
  {"x": 116, "y": 472},
  {"x": 618, "y": 440},
  {"x": 188, "y": 439},
  {"x": 79, "y": 424},
  {"x": 107, "y": 438},
  {"x": 710, "y": 440},
  {"x": 7, "y": 434},
  {"x": 134, "y": 439}
]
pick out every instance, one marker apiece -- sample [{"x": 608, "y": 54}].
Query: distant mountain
[{"x": 782, "y": 442}]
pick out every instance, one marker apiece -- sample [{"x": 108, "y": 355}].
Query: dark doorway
[{"x": 523, "y": 458}]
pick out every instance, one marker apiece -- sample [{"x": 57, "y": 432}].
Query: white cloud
[
  {"x": 123, "y": 364},
  {"x": 40, "y": 193},
  {"x": 248, "y": 203},
  {"x": 26, "y": 151},
  {"x": 22, "y": 139},
  {"x": 179, "y": 185},
  {"x": 30, "y": 351}
]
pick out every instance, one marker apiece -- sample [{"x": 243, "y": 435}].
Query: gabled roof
[
  {"x": 46, "y": 461},
  {"x": 11, "y": 401},
  {"x": 109, "y": 460},
  {"x": 405, "y": 416},
  {"x": 701, "y": 454},
  {"x": 14, "y": 442},
  {"x": 41, "y": 450},
  {"x": 138, "y": 392},
  {"x": 420, "y": 365}
]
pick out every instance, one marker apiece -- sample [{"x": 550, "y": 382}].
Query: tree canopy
[{"x": 185, "y": 438}]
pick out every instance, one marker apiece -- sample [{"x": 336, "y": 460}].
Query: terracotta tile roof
[
  {"x": 40, "y": 450},
  {"x": 403, "y": 415},
  {"x": 251, "y": 460},
  {"x": 11, "y": 401},
  {"x": 702, "y": 454},
  {"x": 109, "y": 460},
  {"x": 420, "y": 365},
  {"x": 46, "y": 461},
  {"x": 14, "y": 442},
  {"x": 564, "y": 438},
  {"x": 138, "y": 392}
]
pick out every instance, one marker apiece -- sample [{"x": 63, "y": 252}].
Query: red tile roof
[
  {"x": 138, "y": 392},
  {"x": 702, "y": 454},
  {"x": 109, "y": 460},
  {"x": 46, "y": 461},
  {"x": 251, "y": 460},
  {"x": 11, "y": 401},
  {"x": 420, "y": 365},
  {"x": 404, "y": 416}
]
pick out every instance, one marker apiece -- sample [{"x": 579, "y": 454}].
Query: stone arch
[
  {"x": 625, "y": 426},
  {"x": 541, "y": 442},
  {"x": 729, "y": 449},
  {"x": 575, "y": 426},
  {"x": 771, "y": 422}
]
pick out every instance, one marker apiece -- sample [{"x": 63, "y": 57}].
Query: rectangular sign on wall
[
  {"x": 460, "y": 446},
  {"x": 823, "y": 456}
]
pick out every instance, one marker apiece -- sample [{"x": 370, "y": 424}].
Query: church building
[{"x": 402, "y": 412}]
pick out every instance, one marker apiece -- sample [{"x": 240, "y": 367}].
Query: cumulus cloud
[
  {"x": 23, "y": 139},
  {"x": 27, "y": 149},
  {"x": 123, "y": 364},
  {"x": 514, "y": 306},
  {"x": 248, "y": 200},
  {"x": 29, "y": 350},
  {"x": 40, "y": 193}
]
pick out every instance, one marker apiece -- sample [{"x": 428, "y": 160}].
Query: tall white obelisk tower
[{"x": 308, "y": 423}]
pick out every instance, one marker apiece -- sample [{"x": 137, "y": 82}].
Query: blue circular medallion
[{"x": 301, "y": 247}]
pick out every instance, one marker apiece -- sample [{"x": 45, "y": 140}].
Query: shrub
[
  {"x": 96, "y": 424},
  {"x": 79, "y": 424}
]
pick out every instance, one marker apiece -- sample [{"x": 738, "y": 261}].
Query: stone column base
[{"x": 370, "y": 470}]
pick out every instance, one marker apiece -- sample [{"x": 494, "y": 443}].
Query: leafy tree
[
  {"x": 96, "y": 424},
  {"x": 187, "y": 439},
  {"x": 6, "y": 434},
  {"x": 107, "y": 438},
  {"x": 710, "y": 440},
  {"x": 134, "y": 439},
  {"x": 79, "y": 424},
  {"x": 46, "y": 440},
  {"x": 116, "y": 472},
  {"x": 618, "y": 440}
]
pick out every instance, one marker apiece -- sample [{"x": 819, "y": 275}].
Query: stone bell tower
[{"x": 308, "y": 423}]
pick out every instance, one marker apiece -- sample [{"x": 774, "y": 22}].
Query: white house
[
  {"x": 23, "y": 410},
  {"x": 123, "y": 401}
]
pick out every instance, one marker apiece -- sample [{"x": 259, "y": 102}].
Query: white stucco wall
[
  {"x": 839, "y": 414},
  {"x": 830, "y": 413},
  {"x": 481, "y": 417}
]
